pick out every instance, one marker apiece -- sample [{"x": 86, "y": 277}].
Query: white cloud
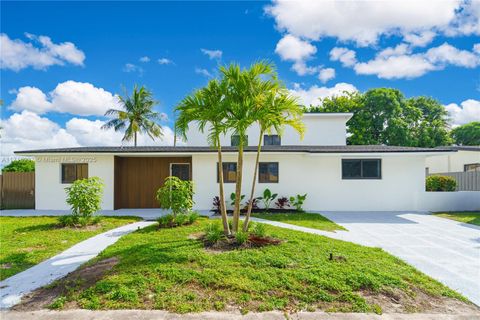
[
  {"x": 399, "y": 62},
  {"x": 364, "y": 22},
  {"x": 28, "y": 130},
  {"x": 293, "y": 49},
  {"x": 31, "y": 99},
  {"x": 212, "y": 54},
  {"x": 467, "y": 111},
  {"x": 419, "y": 39},
  {"x": 81, "y": 98},
  {"x": 144, "y": 59},
  {"x": 314, "y": 94},
  {"x": 40, "y": 54},
  {"x": 163, "y": 61},
  {"x": 203, "y": 72},
  {"x": 447, "y": 54},
  {"x": 326, "y": 74},
  {"x": 130, "y": 67},
  {"x": 346, "y": 56}
]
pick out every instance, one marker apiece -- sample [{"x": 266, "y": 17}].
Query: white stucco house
[
  {"x": 465, "y": 159},
  {"x": 336, "y": 176}
]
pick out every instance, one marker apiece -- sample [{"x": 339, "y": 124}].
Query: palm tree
[
  {"x": 206, "y": 107},
  {"x": 244, "y": 90},
  {"x": 136, "y": 116},
  {"x": 278, "y": 110}
]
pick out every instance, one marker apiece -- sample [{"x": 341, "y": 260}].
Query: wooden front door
[{"x": 137, "y": 179}]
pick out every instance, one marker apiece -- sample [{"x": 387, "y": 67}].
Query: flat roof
[
  {"x": 206, "y": 149},
  {"x": 461, "y": 148}
]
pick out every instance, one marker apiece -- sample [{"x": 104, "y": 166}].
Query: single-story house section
[
  {"x": 465, "y": 159},
  {"x": 336, "y": 176}
]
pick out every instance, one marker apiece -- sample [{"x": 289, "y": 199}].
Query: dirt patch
[
  {"x": 229, "y": 244},
  {"x": 80, "y": 279},
  {"x": 398, "y": 301}
]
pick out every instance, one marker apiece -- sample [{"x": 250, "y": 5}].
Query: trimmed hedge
[{"x": 440, "y": 183}]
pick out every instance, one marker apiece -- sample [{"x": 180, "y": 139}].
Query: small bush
[
  {"x": 282, "y": 203},
  {"x": 232, "y": 199},
  {"x": 77, "y": 221},
  {"x": 298, "y": 201},
  {"x": 216, "y": 203},
  {"x": 267, "y": 198},
  {"x": 170, "y": 221},
  {"x": 440, "y": 183},
  {"x": 213, "y": 233},
  {"x": 192, "y": 217},
  {"x": 258, "y": 230},
  {"x": 58, "y": 303},
  {"x": 84, "y": 196},
  {"x": 176, "y": 195},
  {"x": 241, "y": 237}
]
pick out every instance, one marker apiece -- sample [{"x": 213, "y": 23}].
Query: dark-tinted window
[
  {"x": 361, "y": 169},
  {"x": 271, "y": 140},
  {"x": 180, "y": 170},
  {"x": 229, "y": 172},
  {"x": 74, "y": 171},
  {"x": 471, "y": 167},
  {"x": 235, "y": 140},
  {"x": 268, "y": 172}
]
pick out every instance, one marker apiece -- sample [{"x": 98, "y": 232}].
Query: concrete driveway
[{"x": 446, "y": 250}]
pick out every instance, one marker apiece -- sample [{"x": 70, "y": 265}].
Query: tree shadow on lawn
[{"x": 15, "y": 263}]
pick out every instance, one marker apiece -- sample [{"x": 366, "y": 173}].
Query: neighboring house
[
  {"x": 466, "y": 159},
  {"x": 335, "y": 176}
]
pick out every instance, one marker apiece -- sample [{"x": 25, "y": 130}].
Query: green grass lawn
[
  {"x": 466, "y": 217},
  {"x": 26, "y": 241},
  {"x": 169, "y": 269},
  {"x": 309, "y": 220}
]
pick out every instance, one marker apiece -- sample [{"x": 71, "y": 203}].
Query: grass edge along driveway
[
  {"x": 302, "y": 219},
  {"x": 471, "y": 217},
  {"x": 27, "y": 241},
  {"x": 170, "y": 269}
]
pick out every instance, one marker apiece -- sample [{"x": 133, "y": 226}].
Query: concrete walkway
[
  {"x": 14, "y": 288},
  {"x": 272, "y": 315},
  {"x": 444, "y": 249}
]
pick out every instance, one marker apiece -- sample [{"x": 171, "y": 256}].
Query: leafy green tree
[
  {"x": 245, "y": 89},
  {"x": 176, "y": 194},
  {"x": 20, "y": 165},
  {"x": 206, "y": 108},
  {"x": 136, "y": 116},
  {"x": 385, "y": 116},
  {"x": 85, "y": 198},
  {"x": 467, "y": 135}
]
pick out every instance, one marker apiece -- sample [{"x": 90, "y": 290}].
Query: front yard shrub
[
  {"x": 84, "y": 197},
  {"x": 216, "y": 203},
  {"x": 282, "y": 203},
  {"x": 440, "y": 183},
  {"x": 213, "y": 233},
  {"x": 176, "y": 195},
  {"x": 232, "y": 199},
  {"x": 267, "y": 198},
  {"x": 241, "y": 237},
  {"x": 258, "y": 229},
  {"x": 171, "y": 221},
  {"x": 298, "y": 201}
]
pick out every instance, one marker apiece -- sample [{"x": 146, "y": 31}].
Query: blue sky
[{"x": 94, "y": 49}]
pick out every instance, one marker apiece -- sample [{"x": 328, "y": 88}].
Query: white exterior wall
[
  {"x": 453, "y": 162},
  {"x": 50, "y": 192},
  {"x": 320, "y": 129},
  {"x": 320, "y": 176}
]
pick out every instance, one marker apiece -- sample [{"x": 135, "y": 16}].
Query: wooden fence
[
  {"x": 17, "y": 190},
  {"x": 466, "y": 181}
]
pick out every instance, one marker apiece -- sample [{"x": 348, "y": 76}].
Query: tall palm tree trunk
[
  {"x": 252, "y": 193},
  {"x": 135, "y": 139},
  {"x": 223, "y": 209},
  {"x": 238, "y": 188}
]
